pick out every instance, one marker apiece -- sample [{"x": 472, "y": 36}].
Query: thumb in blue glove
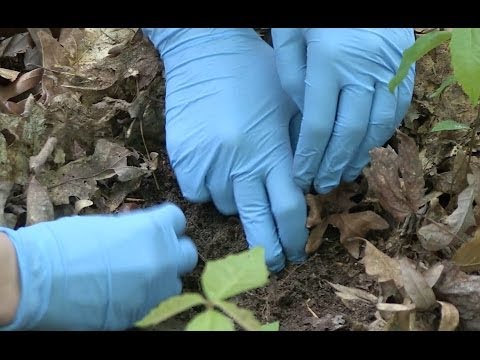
[{"x": 99, "y": 272}]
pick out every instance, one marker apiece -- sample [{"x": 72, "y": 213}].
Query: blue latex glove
[
  {"x": 227, "y": 133},
  {"x": 99, "y": 272},
  {"x": 339, "y": 78}
]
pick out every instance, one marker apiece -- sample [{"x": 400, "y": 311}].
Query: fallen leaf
[
  {"x": 467, "y": 257},
  {"x": 79, "y": 178},
  {"x": 356, "y": 225},
  {"x": 22, "y": 84},
  {"x": 453, "y": 182},
  {"x": 399, "y": 316},
  {"x": 339, "y": 199},
  {"x": 381, "y": 266},
  {"x": 350, "y": 293},
  {"x": 462, "y": 291},
  {"x": 34, "y": 34},
  {"x": 432, "y": 275},
  {"x": 14, "y": 45},
  {"x": 8, "y": 74},
  {"x": 399, "y": 198},
  {"x": 450, "y": 317},
  {"x": 315, "y": 210},
  {"x": 315, "y": 238},
  {"x": 39, "y": 206},
  {"x": 436, "y": 236},
  {"x": 416, "y": 287},
  {"x": 82, "y": 204}
]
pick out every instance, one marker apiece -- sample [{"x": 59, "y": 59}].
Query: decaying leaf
[
  {"x": 315, "y": 238},
  {"x": 315, "y": 210},
  {"x": 436, "y": 236},
  {"x": 453, "y": 182},
  {"x": 79, "y": 178},
  {"x": 17, "y": 44},
  {"x": 23, "y": 83},
  {"x": 119, "y": 191},
  {"x": 356, "y": 225},
  {"x": 400, "y": 316},
  {"x": 450, "y": 317},
  {"x": 400, "y": 197},
  {"x": 339, "y": 199},
  {"x": 432, "y": 275},
  {"x": 39, "y": 206},
  {"x": 416, "y": 287},
  {"x": 349, "y": 293},
  {"x": 8, "y": 74},
  {"x": 467, "y": 257},
  {"x": 381, "y": 266}
]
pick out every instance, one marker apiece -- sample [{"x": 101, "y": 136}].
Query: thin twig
[{"x": 36, "y": 162}]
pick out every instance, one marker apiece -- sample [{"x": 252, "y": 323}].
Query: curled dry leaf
[
  {"x": 400, "y": 197},
  {"x": 432, "y": 275},
  {"x": 450, "y": 317},
  {"x": 350, "y": 293},
  {"x": 462, "y": 291},
  {"x": 315, "y": 238},
  {"x": 399, "y": 315},
  {"x": 23, "y": 83},
  {"x": 436, "y": 236},
  {"x": 82, "y": 204},
  {"x": 453, "y": 182},
  {"x": 467, "y": 257},
  {"x": 416, "y": 286},
  {"x": 356, "y": 225},
  {"x": 316, "y": 222},
  {"x": 381, "y": 266},
  {"x": 8, "y": 74}
]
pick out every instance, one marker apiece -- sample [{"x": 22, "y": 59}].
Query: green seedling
[{"x": 221, "y": 279}]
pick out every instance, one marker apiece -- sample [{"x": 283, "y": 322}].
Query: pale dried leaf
[
  {"x": 315, "y": 238},
  {"x": 22, "y": 84},
  {"x": 412, "y": 171},
  {"x": 315, "y": 210},
  {"x": 434, "y": 237},
  {"x": 14, "y": 45},
  {"x": 433, "y": 274},
  {"x": 467, "y": 257},
  {"x": 450, "y": 317},
  {"x": 82, "y": 204},
  {"x": 32, "y": 59},
  {"x": 350, "y": 293},
  {"x": 416, "y": 287},
  {"x": 381, "y": 266},
  {"x": 34, "y": 34},
  {"x": 356, "y": 225},
  {"x": 39, "y": 206},
  {"x": 8, "y": 74},
  {"x": 399, "y": 315},
  {"x": 462, "y": 291}
]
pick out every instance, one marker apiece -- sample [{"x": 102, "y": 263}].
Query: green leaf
[
  {"x": 243, "y": 317},
  {"x": 210, "y": 320},
  {"x": 449, "y": 125},
  {"x": 171, "y": 307},
  {"x": 273, "y": 326},
  {"x": 465, "y": 50},
  {"x": 235, "y": 274},
  {"x": 422, "y": 46},
  {"x": 446, "y": 83}
]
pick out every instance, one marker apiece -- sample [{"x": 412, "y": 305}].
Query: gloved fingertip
[
  {"x": 169, "y": 212},
  {"x": 188, "y": 257}
]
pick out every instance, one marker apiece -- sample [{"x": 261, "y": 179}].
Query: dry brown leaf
[
  {"x": 79, "y": 178},
  {"x": 432, "y": 275},
  {"x": 356, "y": 225},
  {"x": 453, "y": 182},
  {"x": 450, "y": 317},
  {"x": 22, "y": 84},
  {"x": 434, "y": 237},
  {"x": 400, "y": 197},
  {"x": 381, "y": 266},
  {"x": 462, "y": 291},
  {"x": 467, "y": 257},
  {"x": 34, "y": 34},
  {"x": 315, "y": 210},
  {"x": 82, "y": 204},
  {"x": 14, "y": 45},
  {"x": 412, "y": 171},
  {"x": 399, "y": 316},
  {"x": 39, "y": 206},
  {"x": 339, "y": 199},
  {"x": 8, "y": 74},
  {"x": 350, "y": 293},
  {"x": 119, "y": 191},
  {"x": 315, "y": 238},
  {"x": 416, "y": 286}
]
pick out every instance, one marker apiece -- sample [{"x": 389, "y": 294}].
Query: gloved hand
[
  {"x": 99, "y": 272},
  {"x": 227, "y": 133},
  {"x": 339, "y": 78}
]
